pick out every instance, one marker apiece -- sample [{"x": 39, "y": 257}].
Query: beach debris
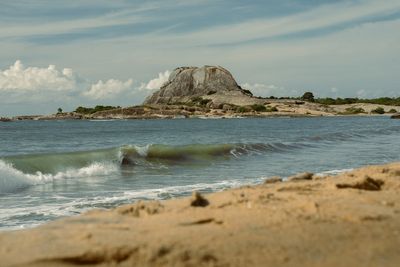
[
  {"x": 141, "y": 208},
  {"x": 368, "y": 183},
  {"x": 272, "y": 180},
  {"x": 198, "y": 200},
  {"x": 202, "y": 221},
  {"x": 301, "y": 176}
]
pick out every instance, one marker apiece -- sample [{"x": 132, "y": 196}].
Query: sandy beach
[{"x": 352, "y": 219}]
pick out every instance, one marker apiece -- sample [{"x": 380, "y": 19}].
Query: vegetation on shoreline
[
  {"x": 343, "y": 101},
  {"x": 309, "y": 96},
  {"x": 85, "y": 110},
  {"x": 203, "y": 104}
]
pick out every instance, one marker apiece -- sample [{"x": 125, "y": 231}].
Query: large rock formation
[{"x": 185, "y": 83}]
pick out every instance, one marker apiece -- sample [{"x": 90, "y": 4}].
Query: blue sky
[{"x": 69, "y": 53}]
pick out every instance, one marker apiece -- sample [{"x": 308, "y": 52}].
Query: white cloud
[
  {"x": 17, "y": 77},
  {"x": 108, "y": 89},
  {"x": 156, "y": 83},
  {"x": 259, "y": 89},
  {"x": 19, "y": 84}
]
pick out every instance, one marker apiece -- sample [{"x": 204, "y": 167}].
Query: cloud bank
[
  {"x": 49, "y": 86},
  {"x": 156, "y": 83},
  {"x": 108, "y": 89},
  {"x": 24, "y": 82},
  {"x": 17, "y": 77}
]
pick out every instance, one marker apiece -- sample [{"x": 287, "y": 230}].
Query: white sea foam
[
  {"x": 65, "y": 206},
  {"x": 12, "y": 179},
  {"x": 142, "y": 150},
  {"x": 334, "y": 172}
]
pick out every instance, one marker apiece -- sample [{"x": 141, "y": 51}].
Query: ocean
[{"x": 52, "y": 169}]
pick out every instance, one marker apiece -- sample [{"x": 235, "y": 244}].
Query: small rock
[
  {"x": 272, "y": 180},
  {"x": 395, "y": 116},
  {"x": 198, "y": 200},
  {"x": 301, "y": 176}
]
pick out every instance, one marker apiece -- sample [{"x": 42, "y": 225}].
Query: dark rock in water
[
  {"x": 184, "y": 83},
  {"x": 395, "y": 116},
  {"x": 2, "y": 119},
  {"x": 127, "y": 162}
]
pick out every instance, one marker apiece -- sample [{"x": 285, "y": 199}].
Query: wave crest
[{"x": 12, "y": 179}]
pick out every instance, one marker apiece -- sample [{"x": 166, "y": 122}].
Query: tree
[
  {"x": 59, "y": 110},
  {"x": 308, "y": 96}
]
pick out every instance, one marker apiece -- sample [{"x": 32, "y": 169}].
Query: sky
[{"x": 73, "y": 53}]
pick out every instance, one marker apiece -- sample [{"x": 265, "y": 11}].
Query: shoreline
[
  {"x": 288, "y": 108},
  {"x": 346, "y": 220},
  {"x": 169, "y": 117}
]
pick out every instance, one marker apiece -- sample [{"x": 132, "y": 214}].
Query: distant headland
[{"x": 212, "y": 92}]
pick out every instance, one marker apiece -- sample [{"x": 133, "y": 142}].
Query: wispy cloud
[
  {"x": 326, "y": 17},
  {"x": 114, "y": 14}
]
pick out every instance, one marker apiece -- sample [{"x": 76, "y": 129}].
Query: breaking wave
[
  {"x": 21, "y": 171},
  {"x": 12, "y": 179}
]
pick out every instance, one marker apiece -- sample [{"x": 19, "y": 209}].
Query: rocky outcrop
[
  {"x": 3, "y": 119},
  {"x": 395, "y": 116},
  {"x": 185, "y": 83}
]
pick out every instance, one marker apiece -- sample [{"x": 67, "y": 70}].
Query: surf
[{"x": 21, "y": 171}]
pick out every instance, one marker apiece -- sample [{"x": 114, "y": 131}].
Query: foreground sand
[{"x": 348, "y": 220}]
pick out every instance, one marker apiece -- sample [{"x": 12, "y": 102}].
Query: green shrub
[
  {"x": 342, "y": 101},
  {"x": 353, "y": 110},
  {"x": 196, "y": 99},
  {"x": 272, "y": 109},
  {"x": 259, "y": 108},
  {"x": 378, "y": 110},
  {"x": 242, "y": 109},
  {"x": 308, "y": 96},
  {"x": 85, "y": 110},
  {"x": 392, "y": 111},
  {"x": 204, "y": 102}
]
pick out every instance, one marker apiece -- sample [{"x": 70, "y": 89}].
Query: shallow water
[{"x": 50, "y": 169}]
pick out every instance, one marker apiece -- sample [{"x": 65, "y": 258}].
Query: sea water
[{"x": 51, "y": 169}]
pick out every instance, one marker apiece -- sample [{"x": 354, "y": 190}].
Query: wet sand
[{"x": 348, "y": 220}]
